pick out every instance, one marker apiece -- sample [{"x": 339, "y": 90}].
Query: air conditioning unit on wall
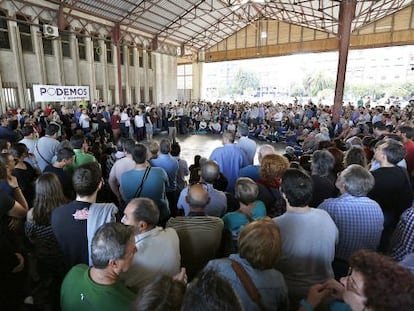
[{"x": 50, "y": 31}]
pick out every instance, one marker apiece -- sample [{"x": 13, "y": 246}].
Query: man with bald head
[
  {"x": 253, "y": 171},
  {"x": 199, "y": 234},
  {"x": 217, "y": 206}
]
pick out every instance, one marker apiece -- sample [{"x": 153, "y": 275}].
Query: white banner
[{"x": 59, "y": 93}]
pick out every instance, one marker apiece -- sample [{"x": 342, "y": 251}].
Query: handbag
[
  {"x": 139, "y": 189},
  {"x": 278, "y": 205},
  {"x": 248, "y": 284}
]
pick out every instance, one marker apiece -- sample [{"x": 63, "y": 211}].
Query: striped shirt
[{"x": 200, "y": 238}]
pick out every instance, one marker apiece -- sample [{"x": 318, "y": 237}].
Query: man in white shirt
[
  {"x": 29, "y": 140},
  {"x": 121, "y": 166},
  {"x": 278, "y": 117},
  {"x": 84, "y": 121},
  {"x": 158, "y": 248}
]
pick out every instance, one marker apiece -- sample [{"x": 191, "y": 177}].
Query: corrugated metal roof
[{"x": 203, "y": 23}]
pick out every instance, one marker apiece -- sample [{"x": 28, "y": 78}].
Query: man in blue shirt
[
  {"x": 252, "y": 170},
  {"x": 230, "y": 158},
  {"x": 153, "y": 182},
  {"x": 170, "y": 165},
  {"x": 217, "y": 206},
  {"x": 359, "y": 219}
]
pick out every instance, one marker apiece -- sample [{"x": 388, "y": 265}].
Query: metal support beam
[
  {"x": 60, "y": 18},
  {"x": 346, "y": 15}
]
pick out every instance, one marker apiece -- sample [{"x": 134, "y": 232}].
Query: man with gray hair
[
  {"x": 98, "y": 287},
  {"x": 359, "y": 219},
  {"x": 159, "y": 249},
  {"x": 210, "y": 172},
  {"x": 253, "y": 171},
  {"x": 392, "y": 189}
]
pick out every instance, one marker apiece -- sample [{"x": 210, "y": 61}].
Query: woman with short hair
[
  {"x": 374, "y": 283},
  {"x": 272, "y": 168},
  {"x": 259, "y": 248},
  {"x": 251, "y": 209},
  {"x": 323, "y": 177}
]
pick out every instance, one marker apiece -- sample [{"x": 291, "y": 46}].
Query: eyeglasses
[{"x": 351, "y": 284}]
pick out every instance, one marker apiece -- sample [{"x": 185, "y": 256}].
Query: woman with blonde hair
[
  {"x": 259, "y": 248},
  {"x": 272, "y": 168}
]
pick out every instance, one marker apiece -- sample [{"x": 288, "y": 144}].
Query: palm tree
[{"x": 317, "y": 81}]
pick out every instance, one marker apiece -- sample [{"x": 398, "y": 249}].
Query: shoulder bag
[
  {"x": 248, "y": 284},
  {"x": 138, "y": 192}
]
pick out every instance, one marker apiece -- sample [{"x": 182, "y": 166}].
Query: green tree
[
  {"x": 314, "y": 82},
  {"x": 296, "y": 89},
  {"x": 326, "y": 94},
  {"x": 397, "y": 91},
  {"x": 244, "y": 80}
]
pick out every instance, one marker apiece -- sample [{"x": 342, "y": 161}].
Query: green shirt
[
  {"x": 79, "y": 292},
  {"x": 80, "y": 158}
]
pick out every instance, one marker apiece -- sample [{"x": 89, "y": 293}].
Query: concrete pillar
[
  {"x": 116, "y": 38},
  {"x": 104, "y": 62},
  {"x": 2, "y": 99},
  {"x": 16, "y": 47},
  {"x": 74, "y": 51},
  {"x": 346, "y": 14},
  {"x": 91, "y": 71},
  {"x": 117, "y": 75},
  {"x": 159, "y": 78},
  {"x": 59, "y": 61},
  {"x": 37, "y": 40},
  {"x": 38, "y": 46},
  {"x": 127, "y": 86},
  {"x": 136, "y": 75},
  {"x": 145, "y": 67},
  {"x": 198, "y": 67}
]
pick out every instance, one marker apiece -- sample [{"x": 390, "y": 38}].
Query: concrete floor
[{"x": 203, "y": 145}]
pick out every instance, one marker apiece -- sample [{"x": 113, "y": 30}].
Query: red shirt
[{"x": 115, "y": 122}]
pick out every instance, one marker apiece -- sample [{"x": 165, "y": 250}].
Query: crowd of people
[{"x": 96, "y": 214}]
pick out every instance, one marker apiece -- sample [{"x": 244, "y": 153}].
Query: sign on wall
[{"x": 59, "y": 93}]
